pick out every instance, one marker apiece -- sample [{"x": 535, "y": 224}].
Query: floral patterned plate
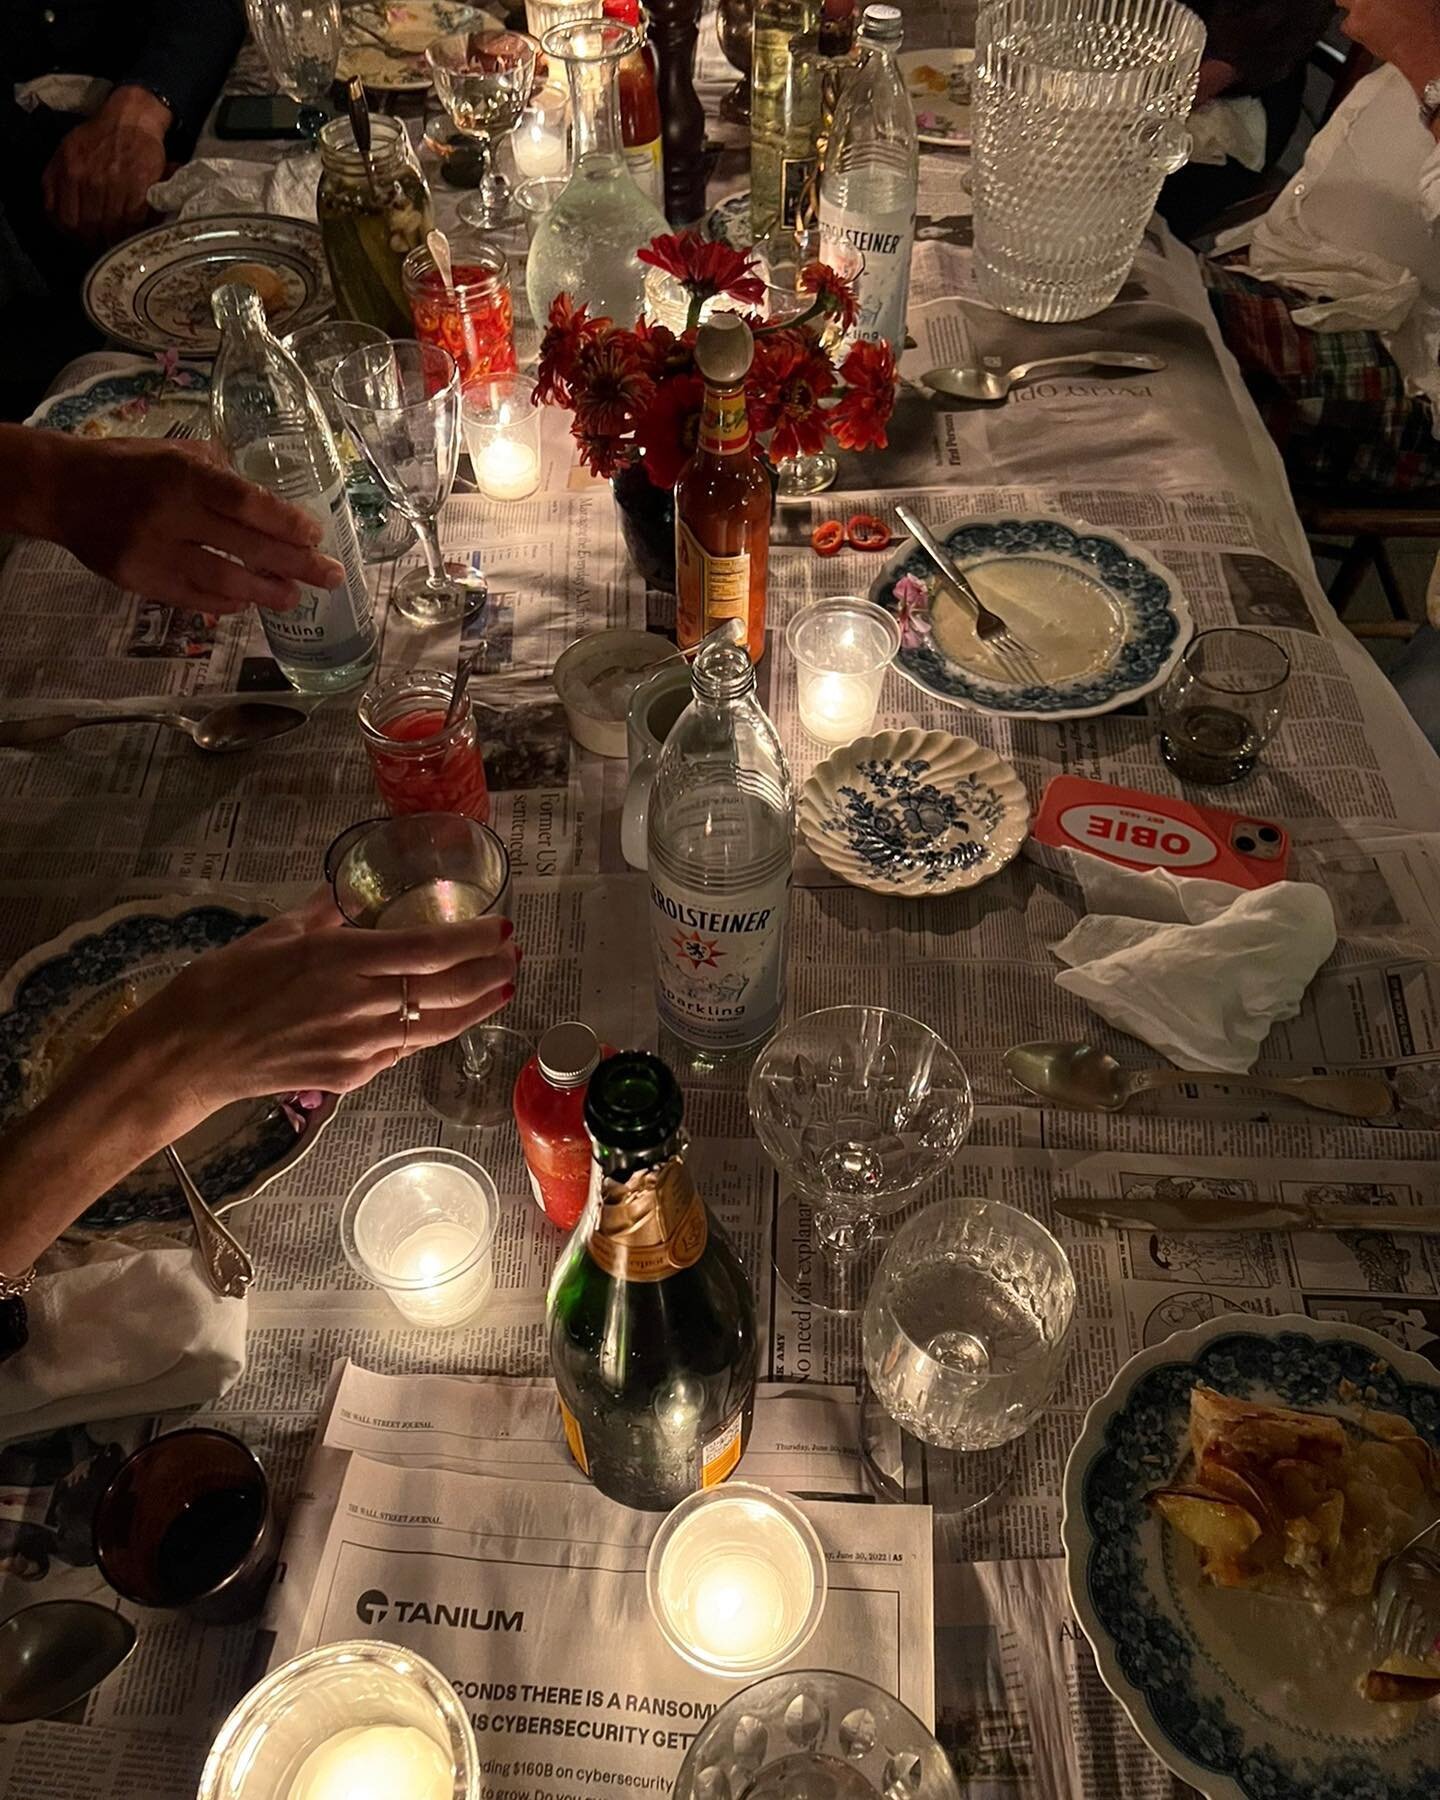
[
  {"x": 729, "y": 222},
  {"x": 385, "y": 45},
  {"x": 914, "y": 812},
  {"x": 144, "y": 401},
  {"x": 1244, "y": 1696},
  {"x": 153, "y": 291},
  {"x": 1105, "y": 621},
  {"x": 938, "y": 82},
  {"x": 57, "y": 996}
]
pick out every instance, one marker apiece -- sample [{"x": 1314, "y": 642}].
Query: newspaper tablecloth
[{"x": 1176, "y": 460}]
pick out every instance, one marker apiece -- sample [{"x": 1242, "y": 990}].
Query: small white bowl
[{"x": 595, "y": 677}]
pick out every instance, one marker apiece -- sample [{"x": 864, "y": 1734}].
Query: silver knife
[{"x": 1212, "y": 1212}]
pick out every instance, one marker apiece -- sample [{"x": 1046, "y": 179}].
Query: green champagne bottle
[{"x": 651, "y": 1316}]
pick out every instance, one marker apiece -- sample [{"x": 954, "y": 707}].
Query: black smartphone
[{"x": 258, "y": 116}]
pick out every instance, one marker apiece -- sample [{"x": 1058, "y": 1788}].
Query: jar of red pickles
[
  {"x": 476, "y": 323},
  {"x": 421, "y": 764},
  {"x": 550, "y": 1117}
]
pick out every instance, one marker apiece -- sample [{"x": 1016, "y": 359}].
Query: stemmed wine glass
[
  {"x": 401, "y": 399},
  {"x": 857, "y": 1106},
  {"x": 436, "y": 869},
  {"x": 484, "y": 79},
  {"x": 300, "y": 41},
  {"x": 966, "y": 1335}
]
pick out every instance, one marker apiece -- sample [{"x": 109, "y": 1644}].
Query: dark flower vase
[{"x": 647, "y": 520}]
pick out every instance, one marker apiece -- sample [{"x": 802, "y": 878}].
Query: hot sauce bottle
[
  {"x": 639, "y": 108},
  {"x": 550, "y": 1117},
  {"x": 722, "y": 499}
]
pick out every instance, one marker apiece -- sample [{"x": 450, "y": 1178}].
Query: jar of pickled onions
[
  {"x": 475, "y": 323},
  {"x": 420, "y": 763}
]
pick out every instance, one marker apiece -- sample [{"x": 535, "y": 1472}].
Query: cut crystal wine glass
[
  {"x": 966, "y": 1336},
  {"x": 483, "y": 80},
  {"x": 300, "y": 41},
  {"x": 805, "y": 1733},
  {"x": 436, "y": 869},
  {"x": 857, "y": 1106},
  {"x": 401, "y": 399}
]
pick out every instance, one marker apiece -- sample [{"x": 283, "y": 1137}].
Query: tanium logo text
[{"x": 374, "y": 1605}]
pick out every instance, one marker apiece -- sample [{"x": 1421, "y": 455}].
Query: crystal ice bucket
[{"x": 1080, "y": 109}]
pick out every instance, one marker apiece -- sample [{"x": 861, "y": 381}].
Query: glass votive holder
[
  {"x": 348, "y": 1719},
  {"x": 502, "y": 434},
  {"x": 841, "y": 650},
  {"x": 421, "y": 1225},
  {"x": 736, "y": 1579},
  {"x": 422, "y": 764},
  {"x": 535, "y": 198},
  {"x": 540, "y": 140},
  {"x": 475, "y": 322}
]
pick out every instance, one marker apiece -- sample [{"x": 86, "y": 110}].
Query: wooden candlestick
[{"x": 674, "y": 28}]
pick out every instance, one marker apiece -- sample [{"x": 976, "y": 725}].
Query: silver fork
[
  {"x": 186, "y": 428},
  {"x": 1407, "y": 1600},
  {"x": 1011, "y": 651}
]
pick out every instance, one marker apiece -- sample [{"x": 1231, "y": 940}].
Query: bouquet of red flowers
[{"x": 635, "y": 391}]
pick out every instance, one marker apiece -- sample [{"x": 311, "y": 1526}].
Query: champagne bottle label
[
  {"x": 884, "y": 240},
  {"x": 722, "y": 1451},
  {"x": 644, "y": 163},
  {"x": 719, "y": 962},
  {"x": 651, "y": 1225},
  {"x": 708, "y": 588},
  {"x": 573, "y": 1438}
]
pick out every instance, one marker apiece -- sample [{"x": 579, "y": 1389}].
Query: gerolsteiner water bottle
[
  {"x": 720, "y": 840},
  {"x": 274, "y": 428}
]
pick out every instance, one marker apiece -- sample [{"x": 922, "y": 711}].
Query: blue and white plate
[
  {"x": 729, "y": 222},
  {"x": 142, "y": 401},
  {"x": 1105, "y": 621},
  {"x": 914, "y": 812},
  {"x": 61, "y": 996},
  {"x": 1247, "y": 1697}
]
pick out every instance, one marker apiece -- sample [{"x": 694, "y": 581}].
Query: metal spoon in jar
[
  {"x": 237, "y": 725},
  {"x": 438, "y": 245}
]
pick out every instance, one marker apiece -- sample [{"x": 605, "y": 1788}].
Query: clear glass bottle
[
  {"x": 585, "y": 245},
  {"x": 872, "y": 176},
  {"x": 784, "y": 111},
  {"x": 371, "y": 217},
  {"x": 268, "y": 418},
  {"x": 720, "y": 839}
]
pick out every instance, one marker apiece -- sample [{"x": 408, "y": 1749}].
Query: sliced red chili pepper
[
  {"x": 826, "y": 539},
  {"x": 864, "y": 531}
]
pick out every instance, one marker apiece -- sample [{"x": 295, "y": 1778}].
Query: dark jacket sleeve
[
  {"x": 184, "y": 55},
  {"x": 1265, "y": 39}
]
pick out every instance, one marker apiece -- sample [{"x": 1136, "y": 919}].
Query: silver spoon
[
  {"x": 1079, "y": 1075},
  {"x": 228, "y": 1267},
  {"x": 438, "y": 245},
  {"x": 238, "y": 725},
  {"x": 970, "y": 383},
  {"x": 54, "y": 1653}
]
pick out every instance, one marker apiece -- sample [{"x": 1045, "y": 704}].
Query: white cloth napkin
[
  {"x": 1197, "y": 969},
  {"x": 84, "y": 94},
  {"x": 1233, "y": 128},
  {"x": 230, "y": 184},
  {"x": 119, "y": 1327}
]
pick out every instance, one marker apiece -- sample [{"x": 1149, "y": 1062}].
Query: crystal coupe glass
[
  {"x": 484, "y": 79},
  {"x": 857, "y": 1107}
]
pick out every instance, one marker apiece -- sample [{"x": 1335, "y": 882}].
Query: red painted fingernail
[
  {"x": 519, "y": 953},
  {"x": 507, "y": 993},
  {"x": 507, "y": 929}
]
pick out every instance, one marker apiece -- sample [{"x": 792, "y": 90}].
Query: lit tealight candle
[
  {"x": 507, "y": 470},
  {"x": 841, "y": 648},
  {"x": 538, "y": 141},
  {"x": 420, "y": 1225},
  {"x": 736, "y": 1579},
  {"x": 837, "y": 708},
  {"x": 376, "y": 1762}
]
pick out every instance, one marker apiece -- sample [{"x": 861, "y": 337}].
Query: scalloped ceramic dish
[
  {"x": 1105, "y": 621},
  {"x": 914, "y": 813},
  {"x": 57, "y": 987},
  {"x": 1244, "y": 1696},
  {"x": 139, "y": 402}
]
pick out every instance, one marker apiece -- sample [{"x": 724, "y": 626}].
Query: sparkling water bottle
[
  {"x": 871, "y": 178},
  {"x": 720, "y": 838},
  {"x": 274, "y": 428}
]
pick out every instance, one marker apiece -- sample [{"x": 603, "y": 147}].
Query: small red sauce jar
[
  {"x": 550, "y": 1117},
  {"x": 420, "y": 763},
  {"x": 477, "y": 324}
]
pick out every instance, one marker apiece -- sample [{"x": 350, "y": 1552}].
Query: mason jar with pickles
[{"x": 371, "y": 217}]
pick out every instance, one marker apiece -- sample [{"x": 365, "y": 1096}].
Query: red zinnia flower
[
  {"x": 607, "y": 456},
  {"x": 839, "y": 297},
  {"x": 609, "y": 385},
  {"x": 788, "y": 379},
  {"x": 661, "y": 352},
  {"x": 702, "y": 268},
  {"x": 568, "y": 329},
  {"x": 858, "y": 419},
  {"x": 666, "y": 431}
]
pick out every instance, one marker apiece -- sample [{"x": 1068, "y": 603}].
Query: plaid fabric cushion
[{"x": 1333, "y": 401}]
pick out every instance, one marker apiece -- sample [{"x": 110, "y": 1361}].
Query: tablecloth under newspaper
[{"x": 1176, "y": 460}]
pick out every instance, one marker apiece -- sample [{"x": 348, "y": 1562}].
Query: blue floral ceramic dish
[
  {"x": 1105, "y": 621},
  {"x": 1244, "y": 1696},
  {"x": 729, "y": 222},
  {"x": 61, "y": 996},
  {"x": 914, "y": 812},
  {"x": 146, "y": 401}
]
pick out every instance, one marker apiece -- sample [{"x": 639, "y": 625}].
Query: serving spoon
[
  {"x": 964, "y": 382},
  {"x": 54, "y": 1653},
  {"x": 1080, "y": 1075},
  {"x": 237, "y": 725}
]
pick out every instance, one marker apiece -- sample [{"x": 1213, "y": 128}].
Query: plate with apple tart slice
[{"x": 1227, "y": 1506}]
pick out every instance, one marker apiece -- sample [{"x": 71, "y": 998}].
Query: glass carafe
[{"x": 585, "y": 245}]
